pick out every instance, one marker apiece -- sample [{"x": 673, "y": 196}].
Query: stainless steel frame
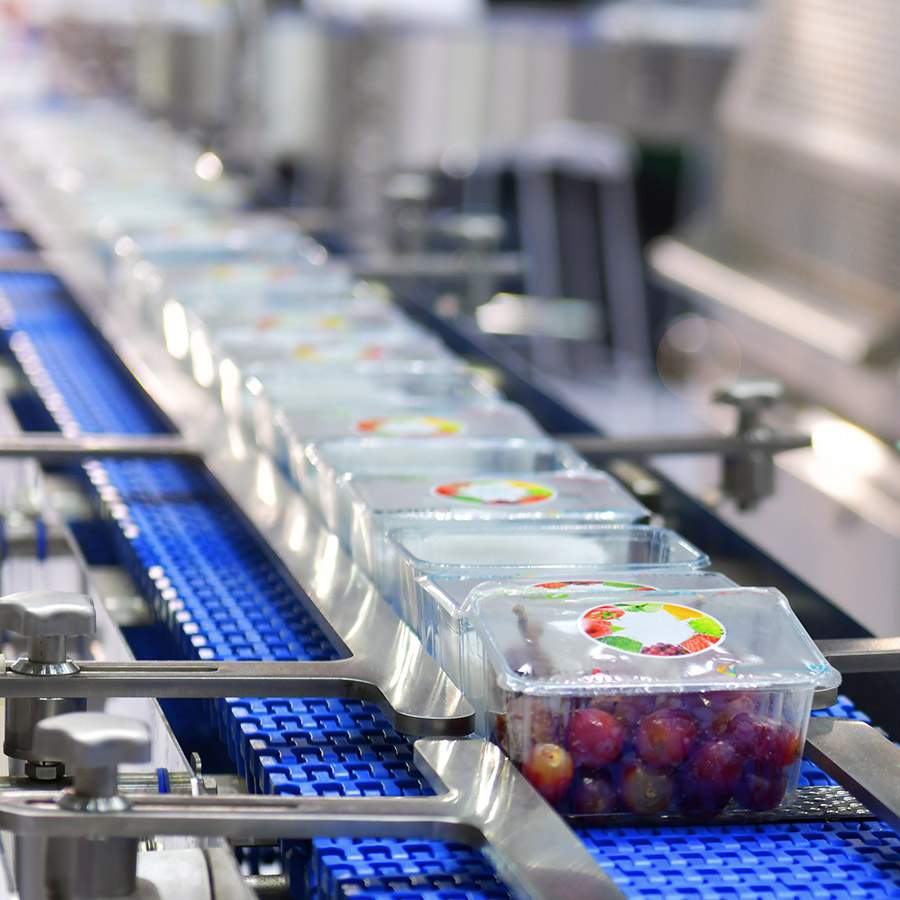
[{"x": 481, "y": 800}]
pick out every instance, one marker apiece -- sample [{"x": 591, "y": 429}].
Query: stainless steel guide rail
[
  {"x": 481, "y": 800},
  {"x": 861, "y": 655},
  {"x": 860, "y": 758},
  {"x": 351, "y": 678},
  {"x": 53, "y": 448}
]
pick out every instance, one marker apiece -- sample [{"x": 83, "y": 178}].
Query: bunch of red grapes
[{"x": 685, "y": 753}]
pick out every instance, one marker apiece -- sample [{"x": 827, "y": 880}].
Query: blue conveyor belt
[
  {"x": 15, "y": 241},
  {"x": 210, "y": 581}
]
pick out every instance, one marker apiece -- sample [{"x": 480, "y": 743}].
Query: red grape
[
  {"x": 629, "y": 710},
  {"x": 727, "y": 707},
  {"x": 665, "y": 737},
  {"x": 593, "y": 794},
  {"x": 529, "y": 722},
  {"x": 550, "y": 771},
  {"x": 594, "y": 737},
  {"x": 664, "y": 649},
  {"x": 645, "y": 790},
  {"x": 709, "y": 778},
  {"x": 763, "y": 740},
  {"x": 761, "y": 786}
]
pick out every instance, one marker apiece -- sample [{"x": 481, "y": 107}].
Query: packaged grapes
[
  {"x": 209, "y": 249},
  {"x": 295, "y": 431},
  {"x": 407, "y": 388},
  {"x": 383, "y": 505},
  {"x": 438, "y": 568},
  {"x": 333, "y": 464},
  {"x": 191, "y": 331},
  {"x": 649, "y": 703}
]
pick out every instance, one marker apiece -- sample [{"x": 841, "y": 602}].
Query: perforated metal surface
[{"x": 211, "y": 583}]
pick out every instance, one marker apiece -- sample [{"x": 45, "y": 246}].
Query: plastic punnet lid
[
  {"x": 654, "y": 642},
  {"x": 380, "y": 419},
  {"x": 486, "y": 550}
]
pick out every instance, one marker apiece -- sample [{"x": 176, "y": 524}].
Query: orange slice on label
[{"x": 679, "y": 612}]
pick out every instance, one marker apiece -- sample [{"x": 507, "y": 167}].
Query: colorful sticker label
[
  {"x": 495, "y": 492},
  {"x": 267, "y": 322},
  {"x": 339, "y": 353},
  {"x": 409, "y": 426},
  {"x": 561, "y": 590},
  {"x": 334, "y": 322},
  {"x": 652, "y": 629}
]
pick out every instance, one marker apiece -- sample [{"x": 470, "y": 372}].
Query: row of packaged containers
[{"x": 594, "y": 648}]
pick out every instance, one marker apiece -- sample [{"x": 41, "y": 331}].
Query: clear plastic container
[
  {"x": 409, "y": 387},
  {"x": 383, "y": 505},
  {"x": 438, "y": 567},
  {"x": 668, "y": 701},
  {"x": 331, "y": 464},
  {"x": 200, "y": 238},
  {"x": 240, "y": 381},
  {"x": 444, "y": 616},
  {"x": 147, "y": 285},
  {"x": 296, "y": 431},
  {"x": 192, "y": 335}
]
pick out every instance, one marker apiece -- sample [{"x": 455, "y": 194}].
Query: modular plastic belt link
[{"x": 211, "y": 582}]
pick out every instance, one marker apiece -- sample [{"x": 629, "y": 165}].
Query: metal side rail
[
  {"x": 415, "y": 706},
  {"x": 52, "y": 448},
  {"x": 860, "y": 758},
  {"x": 862, "y": 655},
  {"x": 481, "y": 800}
]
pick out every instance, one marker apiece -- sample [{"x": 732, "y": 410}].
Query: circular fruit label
[
  {"x": 339, "y": 353},
  {"x": 334, "y": 322},
  {"x": 495, "y": 492},
  {"x": 267, "y": 322},
  {"x": 560, "y": 590},
  {"x": 652, "y": 629},
  {"x": 409, "y": 426}
]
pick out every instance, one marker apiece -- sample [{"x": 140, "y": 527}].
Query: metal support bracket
[
  {"x": 862, "y": 655},
  {"x": 54, "y": 448},
  {"x": 416, "y": 706},
  {"x": 674, "y": 444},
  {"x": 860, "y": 758},
  {"x": 481, "y": 800}
]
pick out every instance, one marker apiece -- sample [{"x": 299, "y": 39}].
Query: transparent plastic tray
[
  {"x": 439, "y": 566},
  {"x": 219, "y": 247},
  {"x": 409, "y": 388},
  {"x": 240, "y": 381},
  {"x": 382, "y": 505},
  {"x": 191, "y": 334},
  {"x": 147, "y": 286},
  {"x": 295, "y": 431},
  {"x": 443, "y": 619},
  {"x": 660, "y": 702},
  {"x": 330, "y": 465}
]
